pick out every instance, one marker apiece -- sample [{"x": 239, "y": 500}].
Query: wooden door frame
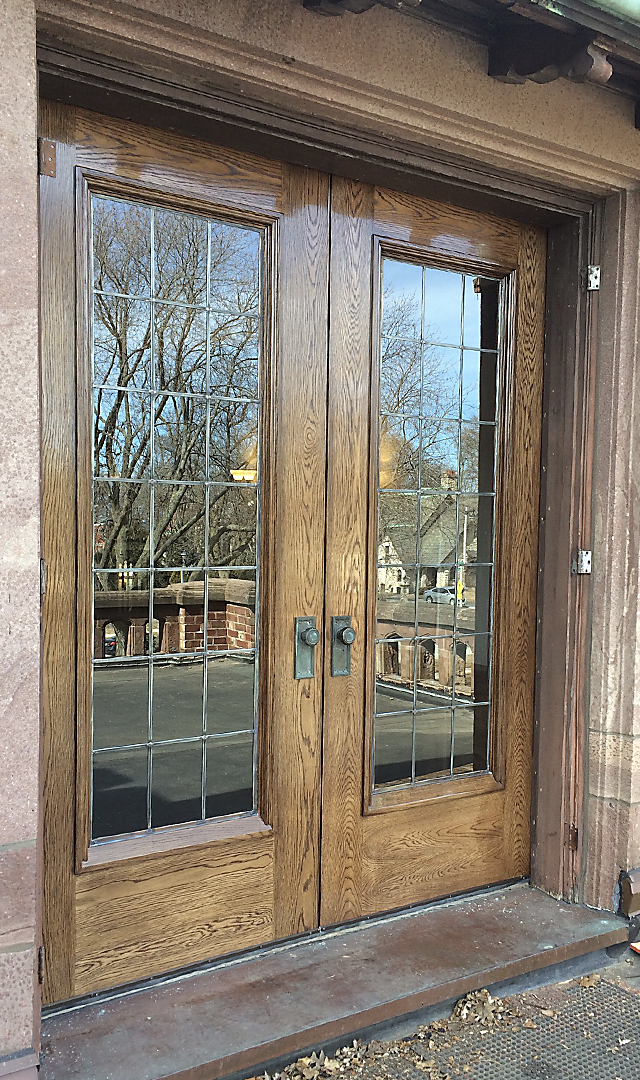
[{"x": 574, "y": 226}]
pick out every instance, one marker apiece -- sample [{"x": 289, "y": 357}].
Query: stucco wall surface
[
  {"x": 387, "y": 73},
  {"x": 19, "y": 526}
]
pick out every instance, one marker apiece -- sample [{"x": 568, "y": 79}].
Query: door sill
[{"x": 269, "y": 1006}]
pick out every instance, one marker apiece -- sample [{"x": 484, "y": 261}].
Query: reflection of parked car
[
  {"x": 110, "y": 642},
  {"x": 442, "y": 594}
]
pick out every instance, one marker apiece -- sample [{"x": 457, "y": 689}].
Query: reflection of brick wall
[{"x": 230, "y": 627}]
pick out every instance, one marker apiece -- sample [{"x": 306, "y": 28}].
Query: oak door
[
  {"x": 435, "y": 380},
  {"x": 268, "y": 395},
  {"x": 185, "y": 318}
]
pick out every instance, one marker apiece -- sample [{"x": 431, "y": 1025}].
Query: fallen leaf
[{"x": 589, "y": 981}]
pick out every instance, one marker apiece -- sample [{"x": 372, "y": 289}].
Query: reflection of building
[
  {"x": 444, "y": 540},
  {"x": 178, "y": 618}
]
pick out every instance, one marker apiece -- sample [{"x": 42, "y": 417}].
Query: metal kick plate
[
  {"x": 340, "y": 653},
  {"x": 304, "y": 655}
]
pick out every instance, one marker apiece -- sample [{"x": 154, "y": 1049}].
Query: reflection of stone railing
[{"x": 178, "y": 613}]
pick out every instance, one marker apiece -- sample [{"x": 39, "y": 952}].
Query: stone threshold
[{"x": 242, "y": 1015}]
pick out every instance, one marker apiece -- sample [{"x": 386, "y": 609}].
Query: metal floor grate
[{"x": 594, "y": 1036}]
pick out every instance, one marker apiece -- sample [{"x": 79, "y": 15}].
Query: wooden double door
[{"x": 270, "y": 395}]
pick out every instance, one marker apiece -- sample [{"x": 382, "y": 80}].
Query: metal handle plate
[
  {"x": 342, "y": 638},
  {"x": 306, "y": 637}
]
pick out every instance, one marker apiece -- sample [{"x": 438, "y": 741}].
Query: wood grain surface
[
  {"x": 348, "y": 457},
  {"x": 295, "y": 520},
  {"x": 168, "y": 910},
  {"x": 184, "y": 167},
  {"x": 58, "y": 360},
  {"x": 447, "y": 232},
  {"x": 433, "y": 839},
  {"x": 165, "y": 901}
]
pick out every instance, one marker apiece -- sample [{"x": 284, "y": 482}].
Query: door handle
[
  {"x": 306, "y": 637},
  {"x": 342, "y": 638}
]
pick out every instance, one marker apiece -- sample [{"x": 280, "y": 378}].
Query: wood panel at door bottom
[{"x": 168, "y": 911}]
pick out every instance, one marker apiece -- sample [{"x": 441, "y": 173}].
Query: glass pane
[
  {"x": 230, "y": 692},
  {"x": 180, "y": 242},
  {"x": 433, "y": 743},
  {"x": 176, "y": 786},
  {"x": 439, "y": 533},
  {"x": 439, "y": 455},
  {"x": 120, "y": 703},
  {"x": 433, "y": 671},
  {"x": 180, "y": 349},
  {"x": 396, "y": 612},
  {"x": 120, "y": 525},
  {"x": 178, "y": 611},
  {"x": 120, "y": 614},
  {"x": 470, "y": 739},
  {"x": 477, "y": 457},
  {"x": 235, "y": 269},
  {"x": 473, "y": 668},
  {"x": 229, "y": 774},
  {"x": 440, "y": 382},
  {"x": 176, "y": 355},
  {"x": 232, "y": 525},
  {"x": 121, "y": 342},
  {"x": 399, "y": 452},
  {"x": 233, "y": 451},
  {"x": 179, "y": 525},
  {"x": 400, "y": 376},
  {"x": 180, "y": 439},
  {"x": 443, "y": 306},
  {"x": 119, "y": 792},
  {"x": 122, "y": 434},
  {"x": 402, "y": 300},
  {"x": 395, "y": 667},
  {"x": 434, "y": 548},
  {"x": 397, "y": 528},
  {"x": 474, "y": 615},
  {"x": 232, "y": 610},
  {"x": 481, "y": 298},
  {"x": 479, "y": 385},
  {"x": 177, "y": 698},
  {"x": 121, "y": 233},
  {"x": 437, "y": 603},
  {"x": 235, "y": 350},
  {"x": 393, "y": 740}
]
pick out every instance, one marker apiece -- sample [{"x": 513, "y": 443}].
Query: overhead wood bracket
[
  {"x": 542, "y": 54},
  {"x": 339, "y": 7}
]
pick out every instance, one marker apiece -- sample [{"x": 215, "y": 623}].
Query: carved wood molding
[
  {"x": 339, "y": 7},
  {"x": 542, "y": 54}
]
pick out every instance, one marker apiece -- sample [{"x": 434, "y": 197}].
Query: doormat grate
[{"x": 593, "y": 1034}]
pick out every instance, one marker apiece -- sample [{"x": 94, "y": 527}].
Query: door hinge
[
  {"x": 46, "y": 157},
  {"x": 593, "y": 278},
  {"x": 41, "y": 965},
  {"x": 582, "y": 562},
  {"x": 572, "y": 837},
  {"x": 43, "y": 579}
]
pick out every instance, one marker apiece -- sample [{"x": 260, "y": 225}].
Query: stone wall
[
  {"x": 19, "y": 540},
  {"x": 613, "y": 797}
]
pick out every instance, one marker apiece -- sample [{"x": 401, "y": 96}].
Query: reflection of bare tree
[{"x": 164, "y": 346}]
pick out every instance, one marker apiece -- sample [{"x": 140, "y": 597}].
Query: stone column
[
  {"x": 613, "y": 789},
  {"x": 19, "y": 542}
]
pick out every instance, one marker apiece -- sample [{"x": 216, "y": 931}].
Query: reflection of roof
[
  {"x": 437, "y": 537},
  {"x": 227, "y": 590}
]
